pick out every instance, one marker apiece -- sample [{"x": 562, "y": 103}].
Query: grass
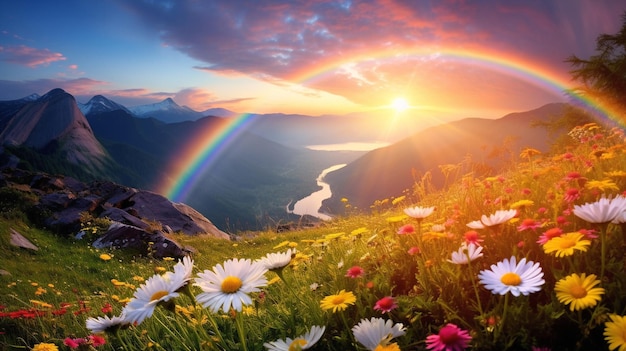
[{"x": 50, "y": 293}]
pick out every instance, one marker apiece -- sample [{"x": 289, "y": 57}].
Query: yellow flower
[
  {"x": 41, "y": 303},
  {"x": 615, "y": 174},
  {"x": 522, "y": 203},
  {"x": 603, "y": 185},
  {"x": 284, "y": 243},
  {"x": 398, "y": 200},
  {"x": 578, "y": 291},
  {"x": 105, "y": 257},
  {"x": 565, "y": 244},
  {"x": 338, "y": 302},
  {"x": 390, "y": 347},
  {"x": 396, "y": 219},
  {"x": 45, "y": 347},
  {"x": 358, "y": 231},
  {"x": 529, "y": 152},
  {"x": 615, "y": 332}
]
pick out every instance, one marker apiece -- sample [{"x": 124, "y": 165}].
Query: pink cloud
[{"x": 28, "y": 56}]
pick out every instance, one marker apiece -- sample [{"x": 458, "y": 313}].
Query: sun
[{"x": 400, "y": 104}]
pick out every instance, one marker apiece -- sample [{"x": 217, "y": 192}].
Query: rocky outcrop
[{"x": 140, "y": 219}]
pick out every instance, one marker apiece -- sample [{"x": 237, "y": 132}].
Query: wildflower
[
  {"x": 338, "y": 302},
  {"x": 182, "y": 273},
  {"x": 96, "y": 340},
  {"x": 413, "y": 250},
  {"x": 355, "y": 272},
  {"x": 472, "y": 236},
  {"x": 314, "y": 286},
  {"x": 529, "y": 153},
  {"x": 419, "y": 212},
  {"x": 105, "y": 257},
  {"x": 147, "y": 297},
  {"x": 406, "y": 229},
  {"x": 450, "y": 338},
  {"x": 565, "y": 244},
  {"x": 498, "y": 217},
  {"x": 549, "y": 234},
  {"x": 602, "y": 211},
  {"x": 277, "y": 260},
  {"x": 615, "y": 332},
  {"x": 510, "y": 276},
  {"x": 45, "y": 347},
  {"x": 466, "y": 254},
  {"x": 229, "y": 284},
  {"x": 376, "y": 332},
  {"x": 528, "y": 223},
  {"x": 476, "y": 225},
  {"x": 603, "y": 185},
  {"x": 578, "y": 291},
  {"x": 522, "y": 203},
  {"x": 73, "y": 343},
  {"x": 303, "y": 342},
  {"x": 571, "y": 195},
  {"x": 386, "y": 304}
]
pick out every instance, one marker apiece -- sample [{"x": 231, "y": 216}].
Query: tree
[{"x": 603, "y": 76}]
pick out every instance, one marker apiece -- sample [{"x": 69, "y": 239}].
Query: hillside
[{"x": 473, "y": 144}]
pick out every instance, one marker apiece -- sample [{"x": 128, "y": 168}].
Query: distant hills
[
  {"x": 474, "y": 144},
  {"x": 250, "y": 184}
]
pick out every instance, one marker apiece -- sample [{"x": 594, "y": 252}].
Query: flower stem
[
  {"x": 471, "y": 271},
  {"x": 602, "y": 250},
  {"x": 240, "y": 330}
]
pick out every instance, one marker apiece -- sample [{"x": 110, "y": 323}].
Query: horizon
[{"x": 449, "y": 61}]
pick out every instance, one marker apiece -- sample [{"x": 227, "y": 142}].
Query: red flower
[
  {"x": 386, "y": 304},
  {"x": 571, "y": 195},
  {"x": 528, "y": 223},
  {"x": 107, "y": 308},
  {"x": 355, "y": 272},
  {"x": 450, "y": 337},
  {"x": 406, "y": 229},
  {"x": 472, "y": 237},
  {"x": 97, "y": 340},
  {"x": 73, "y": 343}
]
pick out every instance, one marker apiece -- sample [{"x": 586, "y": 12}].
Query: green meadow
[{"x": 531, "y": 258}]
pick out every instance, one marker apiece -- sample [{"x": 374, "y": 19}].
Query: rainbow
[{"x": 199, "y": 154}]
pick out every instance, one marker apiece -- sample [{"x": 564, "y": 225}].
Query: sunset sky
[{"x": 450, "y": 58}]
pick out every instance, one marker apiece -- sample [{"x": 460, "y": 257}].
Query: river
[{"x": 311, "y": 204}]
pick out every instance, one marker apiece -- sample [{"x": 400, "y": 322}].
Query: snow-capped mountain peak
[
  {"x": 99, "y": 104},
  {"x": 167, "y": 111}
]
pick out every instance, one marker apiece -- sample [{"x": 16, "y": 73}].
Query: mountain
[
  {"x": 472, "y": 143},
  {"x": 53, "y": 126},
  {"x": 99, "y": 104},
  {"x": 219, "y": 112},
  {"x": 167, "y": 111}
]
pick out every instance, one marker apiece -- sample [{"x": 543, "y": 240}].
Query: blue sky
[{"x": 311, "y": 57}]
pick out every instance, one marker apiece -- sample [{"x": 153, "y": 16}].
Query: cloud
[
  {"x": 276, "y": 40},
  {"x": 19, "y": 89},
  {"x": 28, "y": 56}
]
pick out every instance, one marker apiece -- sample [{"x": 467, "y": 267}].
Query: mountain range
[{"x": 252, "y": 181}]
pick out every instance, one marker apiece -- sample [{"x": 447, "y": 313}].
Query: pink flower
[
  {"x": 589, "y": 233},
  {"x": 450, "y": 338},
  {"x": 549, "y": 234},
  {"x": 386, "y": 304},
  {"x": 414, "y": 250},
  {"x": 355, "y": 272},
  {"x": 73, "y": 343},
  {"x": 571, "y": 195},
  {"x": 528, "y": 223},
  {"x": 97, "y": 340},
  {"x": 406, "y": 229}
]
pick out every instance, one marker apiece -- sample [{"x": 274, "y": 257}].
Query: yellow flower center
[
  {"x": 566, "y": 243},
  {"x": 297, "y": 344},
  {"x": 511, "y": 278},
  {"x": 578, "y": 291},
  {"x": 231, "y": 284},
  {"x": 390, "y": 347},
  {"x": 338, "y": 300},
  {"x": 158, "y": 295}
]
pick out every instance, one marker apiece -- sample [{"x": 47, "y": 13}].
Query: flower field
[{"x": 532, "y": 258}]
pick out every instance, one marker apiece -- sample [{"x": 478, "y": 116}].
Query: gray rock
[
  {"x": 122, "y": 236},
  {"x": 19, "y": 240}
]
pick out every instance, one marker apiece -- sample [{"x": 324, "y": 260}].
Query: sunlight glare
[{"x": 400, "y": 104}]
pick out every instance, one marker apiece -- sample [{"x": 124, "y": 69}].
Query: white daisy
[
  {"x": 303, "y": 342},
  {"x": 277, "y": 260},
  {"x": 104, "y": 324},
  {"x": 230, "y": 284},
  {"x": 156, "y": 290},
  {"x": 476, "y": 225},
  {"x": 461, "y": 257},
  {"x": 602, "y": 211},
  {"x": 182, "y": 273},
  {"x": 499, "y": 217},
  {"x": 375, "y": 332},
  {"x": 419, "y": 212},
  {"x": 508, "y": 276}
]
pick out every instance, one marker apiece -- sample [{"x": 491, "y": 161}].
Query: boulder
[
  {"x": 19, "y": 240},
  {"x": 122, "y": 236}
]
